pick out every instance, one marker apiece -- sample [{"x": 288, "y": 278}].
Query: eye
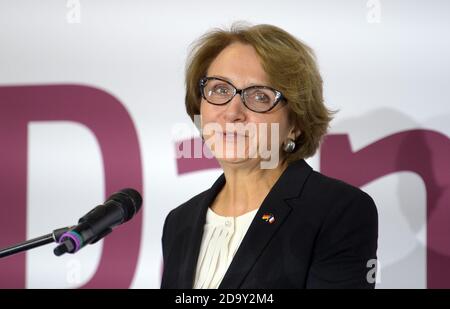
[
  {"x": 261, "y": 97},
  {"x": 221, "y": 90}
]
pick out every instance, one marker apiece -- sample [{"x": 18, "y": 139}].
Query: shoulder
[
  {"x": 335, "y": 190},
  {"x": 185, "y": 210},
  {"x": 347, "y": 219},
  {"x": 187, "y": 207},
  {"x": 335, "y": 199},
  {"x": 179, "y": 220}
]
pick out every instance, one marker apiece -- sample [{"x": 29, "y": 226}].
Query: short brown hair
[{"x": 290, "y": 66}]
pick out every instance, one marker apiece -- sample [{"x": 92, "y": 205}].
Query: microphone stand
[{"x": 35, "y": 242}]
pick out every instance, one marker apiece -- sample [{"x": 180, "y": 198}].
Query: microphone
[{"x": 120, "y": 207}]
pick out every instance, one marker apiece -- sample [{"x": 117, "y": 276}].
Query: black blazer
[{"x": 324, "y": 234}]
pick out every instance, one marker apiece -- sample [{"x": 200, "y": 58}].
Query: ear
[{"x": 294, "y": 133}]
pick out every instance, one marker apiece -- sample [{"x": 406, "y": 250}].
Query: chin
[{"x": 236, "y": 161}]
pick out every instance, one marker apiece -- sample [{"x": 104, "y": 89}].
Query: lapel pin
[{"x": 268, "y": 217}]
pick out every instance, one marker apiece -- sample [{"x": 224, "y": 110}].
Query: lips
[
  {"x": 231, "y": 137},
  {"x": 235, "y": 134}
]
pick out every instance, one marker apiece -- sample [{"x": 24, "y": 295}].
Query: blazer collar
[
  {"x": 197, "y": 221},
  {"x": 260, "y": 232}
]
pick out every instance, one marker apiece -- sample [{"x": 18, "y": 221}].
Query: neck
[{"x": 246, "y": 187}]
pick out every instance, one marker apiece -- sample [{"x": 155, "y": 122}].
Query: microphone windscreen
[{"x": 130, "y": 201}]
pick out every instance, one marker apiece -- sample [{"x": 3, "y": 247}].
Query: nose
[{"x": 235, "y": 110}]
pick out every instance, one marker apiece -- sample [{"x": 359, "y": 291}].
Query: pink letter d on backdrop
[{"x": 111, "y": 124}]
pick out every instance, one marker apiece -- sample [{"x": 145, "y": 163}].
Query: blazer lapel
[
  {"x": 194, "y": 240},
  {"x": 260, "y": 232}
]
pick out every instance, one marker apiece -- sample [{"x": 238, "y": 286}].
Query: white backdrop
[{"x": 385, "y": 65}]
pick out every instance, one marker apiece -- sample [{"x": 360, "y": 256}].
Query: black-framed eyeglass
[{"x": 259, "y": 99}]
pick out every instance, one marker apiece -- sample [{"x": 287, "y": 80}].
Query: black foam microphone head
[{"x": 130, "y": 201}]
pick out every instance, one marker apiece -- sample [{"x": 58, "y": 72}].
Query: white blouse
[{"x": 221, "y": 239}]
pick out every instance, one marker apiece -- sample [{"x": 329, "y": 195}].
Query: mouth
[{"x": 234, "y": 135}]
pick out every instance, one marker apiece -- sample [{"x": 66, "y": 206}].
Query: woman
[{"x": 283, "y": 226}]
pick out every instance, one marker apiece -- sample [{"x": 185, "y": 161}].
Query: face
[{"x": 234, "y": 133}]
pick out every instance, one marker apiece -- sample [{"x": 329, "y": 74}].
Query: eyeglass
[{"x": 259, "y": 99}]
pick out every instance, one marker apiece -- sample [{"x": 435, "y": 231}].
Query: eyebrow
[{"x": 249, "y": 85}]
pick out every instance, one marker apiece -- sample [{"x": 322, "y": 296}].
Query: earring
[{"x": 289, "y": 146}]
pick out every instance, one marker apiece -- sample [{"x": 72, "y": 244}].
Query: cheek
[
  {"x": 284, "y": 125},
  {"x": 209, "y": 124},
  {"x": 277, "y": 130},
  {"x": 208, "y": 112},
  {"x": 284, "y": 131}
]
